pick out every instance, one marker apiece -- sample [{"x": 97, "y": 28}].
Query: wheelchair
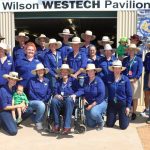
[{"x": 78, "y": 113}]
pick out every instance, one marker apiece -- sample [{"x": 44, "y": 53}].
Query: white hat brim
[
  {"x": 111, "y": 68},
  {"x": 96, "y": 69},
  {"x": 34, "y": 71},
  {"x": 6, "y": 76},
  {"x": 93, "y": 37},
  {"x": 62, "y": 34},
  {"x": 101, "y": 42},
  {"x": 58, "y": 71},
  {"x": 59, "y": 45},
  {"x": 37, "y": 40},
  {"x": 26, "y": 38}
]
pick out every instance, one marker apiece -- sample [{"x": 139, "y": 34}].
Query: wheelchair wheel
[{"x": 80, "y": 129}]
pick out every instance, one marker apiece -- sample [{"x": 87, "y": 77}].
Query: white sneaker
[
  {"x": 145, "y": 113},
  {"x": 39, "y": 126}
]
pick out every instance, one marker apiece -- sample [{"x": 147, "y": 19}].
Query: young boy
[{"x": 18, "y": 97}]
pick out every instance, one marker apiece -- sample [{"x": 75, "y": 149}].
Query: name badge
[{"x": 62, "y": 93}]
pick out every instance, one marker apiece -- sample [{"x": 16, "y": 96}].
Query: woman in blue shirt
[
  {"x": 134, "y": 67},
  {"x": 6, "y": 63},
  {"x": 94, "y": 95},
  {"x": 39, "y": 93},
  {"x": 119, "y": 96},
  {"x": 66, "y": 91},
  {"x": 6, "y": 120}
]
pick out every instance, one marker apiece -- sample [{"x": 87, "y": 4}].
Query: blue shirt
[
  {"x": 53, "y": 62},
  {"x": 24, "y": 67},
  {"x": 133, "y": 67},
  {"x": 5, "y": 68},
  {"x": 85, "y": 49},
  {"x": 96, "y": 61},
  {"x": 75, "y": 63},
  {"x": 71, "y": 87},
  {"x": 121, "y": 90},
  {"x": 65, "y": 50},
  {"x": 105, "y": 73},
  {"x": 5, "y": 97},
  {"x": 94, "y": 91},
  {"x": 18, "y": 53},
  {"x": 39, "y": 90},
  {"x": 40, "y": 54},
  {"x": 147, "y": 62}
]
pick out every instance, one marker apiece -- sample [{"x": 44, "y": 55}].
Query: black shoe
[{"x": 133, "y": 117}]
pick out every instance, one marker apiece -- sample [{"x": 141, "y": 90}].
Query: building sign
[{"x": 72, "y": 5}]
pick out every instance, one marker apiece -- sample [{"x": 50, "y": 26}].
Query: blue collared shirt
[
  {"x": 18, "y": 53},
  {"x": 147, "y": 62},
  {"x": 85, "y": 49},
  {"x": 71, "y": 87},
  {"x": 39, "y": 90},
  {"x": 24, "y": 67},
  {"x": 94, "y": 91},
  {"x": 75, "y": 63},
  {"x": 133, "y": 67},
  {"x": 5, "y": 68},
  {"x": 53, "y": 62},
  {"x": 5, "y": 97},
  {"x": 121, "y": 90}
]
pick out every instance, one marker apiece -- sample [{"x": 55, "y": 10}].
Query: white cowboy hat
[
  {"x": 108, "y": 47},
  {"x": 12, "y": 75},
  {"x": 65, "y": 32},
  {"x": 76, "y": 40},
  {"x": 132, "y": 47},
  {"x": 37, "y": 40},
  {"x": 88, "y": 32},
  {"x": 5, "y": 47},
  {"x": 53, "y": 41},
  {"x": 92, "y": 67},
  {"x": 105, "y": 39},
  {"x": 117, "y": 64},
  {"x": 22, "y": 34},
  {"x": 66, "y": 67},
  {"x": 1, "y": 37},
  {"x": 40, "y": 67}
]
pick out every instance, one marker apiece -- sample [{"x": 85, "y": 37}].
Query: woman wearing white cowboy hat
[
  {"x": 134, "y": 67},
  {"x": 53, "y": 60},
  {"x": 77, "y": 60},
  {"x": 94, "y": 95},
  {"x": 119, "y": 96},
  {"x": 39, "y": 93},
  {"x": 87, "y": 37},
  {"x": 41, "y": 49},
  {"x": 66, "y": 91},
  {"x": 18, "y": 50},
  {"x": 6, "y": 63},
  {"x": 6, "y": 120},
  {"x": 65, "y": 49}
]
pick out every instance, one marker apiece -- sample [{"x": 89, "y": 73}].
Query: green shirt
[{"x": 121, "y": 50}]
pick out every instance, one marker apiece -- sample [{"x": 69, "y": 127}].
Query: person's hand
[
  {"x": 127, "y": 111},
  {"x": 56, "y": 76},
  {"x": 89, "y": 107},
  {"x": 59, "y": 97},
  {"x": 74, "y": 76},
  {"x": 22, "y": 105},
  {"x": 24, "y": 108},
  {"x": 73, "y": 97},
  {"x": 85, "y": 101}
]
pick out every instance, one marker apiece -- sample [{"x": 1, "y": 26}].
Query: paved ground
[{"x": 107, "y": 139}]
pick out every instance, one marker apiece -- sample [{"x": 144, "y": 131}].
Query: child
[
  {"x": 122, "y": 47},
  {"x": 18, "y": 97}
]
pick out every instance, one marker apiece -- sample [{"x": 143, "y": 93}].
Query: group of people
[{"x": 107, "y": 80}]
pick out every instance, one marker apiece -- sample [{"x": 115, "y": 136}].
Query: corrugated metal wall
[{"x": 7, "y": 28}]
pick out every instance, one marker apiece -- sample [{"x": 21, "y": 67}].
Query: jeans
[
  {"x": 67, "y": 104},
  {"x": 94, "y": 116},
  {"x": 114, "y": 109},
  {"x": 39, "y": 107},
  {"x": 7, "y": 122}
]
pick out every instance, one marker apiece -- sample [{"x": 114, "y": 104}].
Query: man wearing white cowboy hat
[
  {"x": 77, "y": 60},
  {"x": 105, "y": 40},
  {"x": 41, "y": 49},
  {"x": 53, "y": 60},
  {"x": 65, "y": 49},
  {"x": 39, "y": 93},
  {"x": 119, "y": 96},
  {"x": 87, "y": 37},
  {"x": 18, "y": 50},
  {"x": 134, "y": 67},
  {"x": 66, "y": 91},
  {"x": 1, "y": 37},
  {"x": 6, "y": 63},
  {"x": 6, "y": 120}
]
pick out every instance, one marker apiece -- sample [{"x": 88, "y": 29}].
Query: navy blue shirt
[
  {"x": 5, "y": 68},
  {"x": 133, "y": 67},
  {"x": 53, "y": 62},
  {"x": 5, "y": 96},
  {"x": 85, "y": 49},
  {"x": 24, "y": 67},
  {"x": 94, "y": 91},
  {"x": 121, "y": 90},
  {"x": 71, "y": 87},
  {"x": 96, "y": 61},
  {"x": 39, "y": 90},
  {"x": 147, "y": 62},
  {"x": 18, "y": 53}
]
